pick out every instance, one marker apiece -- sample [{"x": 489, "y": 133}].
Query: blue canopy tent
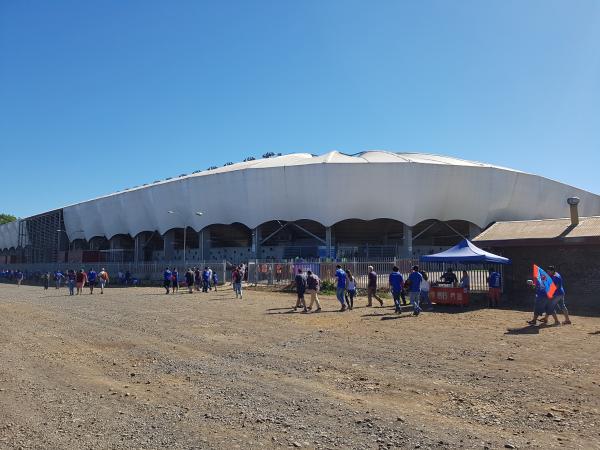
[{"x": 465, "y": 252}]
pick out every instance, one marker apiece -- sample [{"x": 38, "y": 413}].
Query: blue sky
[{"x": 100, "y": 96}]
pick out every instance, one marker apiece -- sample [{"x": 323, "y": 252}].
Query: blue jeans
[
  {"x": 71, "y": 284},
  {"x": 425, "y": 298},
  {"x": 339, "y": 293},
  {"x": 396, "y": 297},
  {"x": 237, "y": 287},
  {"x": 414, "y": 299}
]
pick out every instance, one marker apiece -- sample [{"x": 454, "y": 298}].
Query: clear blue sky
[{"x": 100, "y": 96}]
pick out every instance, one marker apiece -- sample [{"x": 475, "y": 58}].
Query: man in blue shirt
[
  {"x": 396, "y": 282},
  {"x": 559, "y": 295},
  {"x": 541, "y": 301},
  {"x": 495, "y": 287},
  {"x": 205, "y": 279},
  {"x": 167, "y": 279},
  {"x": 91, "y": 280},
  {"x": 341, "y": 286},
  {"x": 414, "y": 289}
]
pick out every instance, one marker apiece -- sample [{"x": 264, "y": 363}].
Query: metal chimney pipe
[{"x": 573, "y": 202}]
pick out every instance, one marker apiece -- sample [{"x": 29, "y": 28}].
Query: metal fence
[
  {"x": 273, "y": 273},
  {"x": 143, "y": 272},
  {"x": 283, "y": 273}
]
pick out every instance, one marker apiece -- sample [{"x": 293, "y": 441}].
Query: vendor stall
[{"x": 448, "y": 291}]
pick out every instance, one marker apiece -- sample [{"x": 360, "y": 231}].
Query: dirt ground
[{"x": 135, "y": 368}]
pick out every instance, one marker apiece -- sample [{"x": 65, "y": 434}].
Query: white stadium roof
[{"x": 408, "y": 187}]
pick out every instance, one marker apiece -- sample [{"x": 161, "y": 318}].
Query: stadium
[{"x": 375, "y": 204}]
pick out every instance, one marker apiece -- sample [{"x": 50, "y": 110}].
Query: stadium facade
[{"x": 373, "y": 204}]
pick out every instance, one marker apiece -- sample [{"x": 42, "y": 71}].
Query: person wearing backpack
[
  {"x": 300, "y": 290},
  {"x": 312, "y": 287}
]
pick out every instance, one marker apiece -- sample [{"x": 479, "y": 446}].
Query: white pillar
[
  {"x": 328, "y": 242},
  {"x": 204, "y": 243},
  {"x": 256, "y": 238},
  {"x": 407, "y": 242}
]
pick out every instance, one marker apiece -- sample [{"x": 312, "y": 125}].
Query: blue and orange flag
[{"x": 544, "y": 281}]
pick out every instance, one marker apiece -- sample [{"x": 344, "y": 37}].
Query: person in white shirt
[
  {"x": 425, "y": 286},
  {"x": 350, "y": 289}
]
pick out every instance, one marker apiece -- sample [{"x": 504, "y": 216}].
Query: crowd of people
[
  {"x": 416, "y": 285},
  {"x": 414, "y": 290},
  {"x": 201, "y": 280},
  {"x": 546, "y": 307}
]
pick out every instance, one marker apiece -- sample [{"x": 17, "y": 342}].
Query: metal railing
[
  {"x": 275, "y": 273},
  {"x": 283, "y": 273}
]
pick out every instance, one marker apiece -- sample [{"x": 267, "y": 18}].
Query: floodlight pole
[{"x": 198, "y": 213}]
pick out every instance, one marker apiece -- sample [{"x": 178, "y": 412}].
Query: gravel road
[{"x": 135, "y": 368}]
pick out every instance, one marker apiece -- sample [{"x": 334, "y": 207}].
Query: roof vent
[{"x": 573, "y": 202}]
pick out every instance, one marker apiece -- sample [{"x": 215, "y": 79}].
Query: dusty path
[{"x": 135, "y": 368}]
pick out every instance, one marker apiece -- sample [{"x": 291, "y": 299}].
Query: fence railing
[
  {"x": 283, "y": 273},
  {"x": 274, "y": 273}
]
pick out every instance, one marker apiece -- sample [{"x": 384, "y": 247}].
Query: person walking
[
  {"x": 215, "y": 280},
  {"x": 425, "y": 287},
  {"x": 236, "y": 280},
  {"x": 312, "y": 288},
  {"x": 210, "y": 274},
  {"x": 341, "y": 286},
  {"x": 494, "y": 282},
  {"x": 80, "y": 278},
  {"x": 540, "y": 302},
  {"x": 91, "y": 276},
  {"x": 103, "y": 278},
  {"x": 167, "y": 274},
  {"x": 197, "y": 278},
  {"x": 396, "y": 282},
  {"x": 189, "y": 280},
  {"x": 372, "y": 287},
  {"x": 58, "y": 277},
  {"x": 300, "y": 290},
  {"x": 46, "y": 280},
  {"x": 205, "y": 279},
  {"x": 174, "y": 280},
  {"x": 71, "y": 280},
  {"x": 350, "y": 289},
  {"x": 559, "y": 294},
  {"x": 414, "y": 289},
  {"x": 20, "y": 276}
]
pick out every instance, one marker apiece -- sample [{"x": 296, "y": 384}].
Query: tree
[{"x": 6, "y": 218}]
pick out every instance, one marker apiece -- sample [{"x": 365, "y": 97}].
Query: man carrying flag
[{"x": 545, "y": 302}]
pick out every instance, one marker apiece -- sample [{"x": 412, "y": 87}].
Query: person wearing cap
[
  {"x": 414, "y": 289},
  {"x": 559, "y": 295}
]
